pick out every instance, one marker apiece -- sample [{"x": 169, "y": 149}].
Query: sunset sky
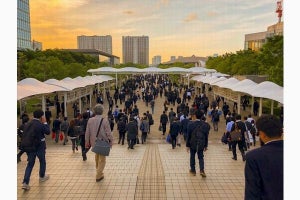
[{"x": 175, "y": 27}]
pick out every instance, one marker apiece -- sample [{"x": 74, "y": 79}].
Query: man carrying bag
[{"x": 91, "y": 137}]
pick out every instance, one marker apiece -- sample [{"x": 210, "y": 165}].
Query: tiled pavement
[{"x": 150, "y": 171}]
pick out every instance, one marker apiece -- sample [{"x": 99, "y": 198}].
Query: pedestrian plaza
[{"x": 149, "y": 171}]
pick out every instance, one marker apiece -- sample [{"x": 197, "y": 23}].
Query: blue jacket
[{"x": 264, "y": 172}]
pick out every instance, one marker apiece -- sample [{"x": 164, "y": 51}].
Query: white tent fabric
[
  {"x": 215, "y": 80},
  {"x": 36, "y": 87},
  {"x": 243, "y": 85},
  {"x": 111, "y": 70},
  {"x": 227, "y": 83},
  {"x": 268, "y": 90},
  {"x": 30, "y": 86}
]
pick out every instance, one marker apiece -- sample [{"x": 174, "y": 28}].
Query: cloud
[
  {"x": 191, "y": 17},
  {"x": 128, "y": 12},
  {"x": 164, "y": 2},
  {"x": 212, "y": 14}
]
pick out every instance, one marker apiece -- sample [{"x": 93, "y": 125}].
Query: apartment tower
[
  {"x": 101, "y": 43},
  {"x": 135, "y": 49}
]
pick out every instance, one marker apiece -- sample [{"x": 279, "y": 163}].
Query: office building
[
  {"x": 135, "y": 49},
  {"x": 23, "y": 25},
  {"x": 101, "y": 43}
]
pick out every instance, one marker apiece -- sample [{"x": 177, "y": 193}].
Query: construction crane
[{"x": 279, "y": 10}]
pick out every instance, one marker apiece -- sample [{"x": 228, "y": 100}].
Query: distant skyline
[{"x": 175, "y": 28}]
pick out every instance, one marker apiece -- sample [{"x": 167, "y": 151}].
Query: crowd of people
[{"x": 185, "y": 118}]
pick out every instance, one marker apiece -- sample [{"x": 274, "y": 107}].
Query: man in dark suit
[
  {"x": 264, "y": 165},
  {"x": 39, "y": 127},
  {"x": 191, "y": 145}
]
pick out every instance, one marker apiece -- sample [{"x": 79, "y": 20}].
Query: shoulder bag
[
  {"x": 101, "y": 147},
  {"x": 235, "y": 135}
]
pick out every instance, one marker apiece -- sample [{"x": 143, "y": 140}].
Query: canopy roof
[
  {"x": 30, "y": 86},
  {"x": 264, "y": 89},
  {"x": 111, "y": 70}
]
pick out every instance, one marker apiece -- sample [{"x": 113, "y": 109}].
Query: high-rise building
[
  {"x": 101, "y": 43},
  {"x": 36, "y": 45},
  {"x": 23, "y": 25},
  {"x": 156, "y": 60},
  {"x": 135, "y": 49}
]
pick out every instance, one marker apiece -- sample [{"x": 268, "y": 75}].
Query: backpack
[
  {"x": 198, "y": 138},
  {"x": 30, "y": 140},
  {"x": 116, "y": 112},
  {"x": 216, "y": 116},
  {"x": 235, "y": 134},
  {"x": 78, "y": 130},
  {"x": 252, "y": 129}
]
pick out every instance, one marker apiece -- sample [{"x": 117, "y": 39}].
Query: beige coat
[{"x": 92, "y": 128}]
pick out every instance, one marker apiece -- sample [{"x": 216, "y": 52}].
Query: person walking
[
  {"x": 121, "y": 127},
  {"x": 163, "y": 122},
  {"x": 104, "y": 134},
  {"x": 240, "y": 127},
  {"x": 132, "y": 132},
  {"x": 175, "y": 129},
  {"x": 150, "y": 118},
  {"x": 196, "y": 144},
  {"x": 255, "y": 107},
  {"x": 264, "y": 165},
  {"x": 83, "y": 124},
  {"x": 64, "y": 126},
  {"x": 73, "y": 136},
  {"x": 25, "y": 120},
  {"x": 144, "y": 127},
  {"x": 56, "y": 127},
  {"x": 48, "y": 115},
  {"x": 39, "y": 127},
  {"x": 152, "y": 104}
]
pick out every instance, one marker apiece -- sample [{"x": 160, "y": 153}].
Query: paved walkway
[{"x": 150, "y": 171}]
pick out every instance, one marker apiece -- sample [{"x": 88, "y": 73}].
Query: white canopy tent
[
  {"x": 71, "y": 88},
  {"x": 265, "y": 89},
  {"x": 134, "y": 70}
]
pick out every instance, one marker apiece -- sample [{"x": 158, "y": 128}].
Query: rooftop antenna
[{"x": 279, "y": 10}]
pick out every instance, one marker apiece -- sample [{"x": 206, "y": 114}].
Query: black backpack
[
  {"x": 215, "y": 115},
  {"x": 197, "y": 138},
  {"x": 122, "y": 126},
  {"x": 30, "y": 140}
]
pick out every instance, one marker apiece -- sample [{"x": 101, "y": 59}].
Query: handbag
[
  {"x": 101, "y": 147},
  {"x": 168, "y": 138},
  {"x": 160, "y": 127},
  {"x": 61, "y": 136}
]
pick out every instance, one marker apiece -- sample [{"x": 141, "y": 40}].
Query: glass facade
[{"x": 23, "y": 25}]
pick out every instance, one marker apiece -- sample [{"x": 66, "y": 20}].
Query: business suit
[{"x": 264, "y": 172}]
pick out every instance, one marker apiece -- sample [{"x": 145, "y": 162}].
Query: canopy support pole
[
  {"x": 260, "y": 107},
  {"x": 272, "y": 107},
  {"x": 43, "y": 103},
  {"x": 65, "y": 104}
]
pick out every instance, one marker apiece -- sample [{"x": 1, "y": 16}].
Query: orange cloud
[
  {"x": 128, "y": 12},
  {"x": 191, "y": 17}
]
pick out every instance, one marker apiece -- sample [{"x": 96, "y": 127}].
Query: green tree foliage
[
  {"x": 267, "y": 61},
  {"x": 54, "y": 63}
]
